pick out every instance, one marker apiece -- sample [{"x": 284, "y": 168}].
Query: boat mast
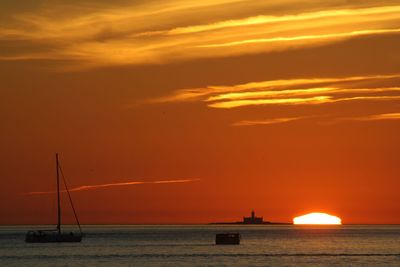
[
  {"x": 70, "y": 201},
  {"x": 58, "y": 198}
]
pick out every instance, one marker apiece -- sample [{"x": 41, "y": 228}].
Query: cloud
[
  {"x": 101, "y": 186},
  {"x": 296, "y": 97},
  {"x": 257, "y": 20},
  {"x": 257, "y": 89},
  {"x": 265, "y": 121},
  {"x": 329, "y": 119},
  {"x": 276, "y": 101},
  {"x": 316, "y": 100},
  {"x": 286, "y": 92},
  {"x": 304, "y": 37},
  {"x": 375, "y": 117},
  {"x": 299, "y": 101},
  {"x": 158, "y": 32},
  {"x": 385, "y": 116},
  {"x": 300, "y": 92}
]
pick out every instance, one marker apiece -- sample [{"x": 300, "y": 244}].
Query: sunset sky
[{"x": 172, "y": 111}]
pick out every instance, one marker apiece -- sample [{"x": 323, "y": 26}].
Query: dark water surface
[{"x": 177, "y": 245}]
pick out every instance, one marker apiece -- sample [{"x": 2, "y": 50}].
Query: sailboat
[{"x": 56, "y": 235}]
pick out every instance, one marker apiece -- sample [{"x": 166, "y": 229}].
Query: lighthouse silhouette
[{"x": 253, "y": 219}]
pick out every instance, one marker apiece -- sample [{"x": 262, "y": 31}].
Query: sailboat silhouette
[{"x": 56, "y": 235}]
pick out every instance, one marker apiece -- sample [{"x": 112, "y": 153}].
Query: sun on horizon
[{"x": 318, "y": 218}]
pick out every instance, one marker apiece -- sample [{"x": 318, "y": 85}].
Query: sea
[{"x": 194, "y": 245}]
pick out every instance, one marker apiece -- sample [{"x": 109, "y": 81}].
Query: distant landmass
[{"x": 253, "y": 219}]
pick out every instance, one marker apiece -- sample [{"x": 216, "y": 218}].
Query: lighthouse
[{"x": 253, "y": 219}]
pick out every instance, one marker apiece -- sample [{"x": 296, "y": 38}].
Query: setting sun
[{"x": 317, "y": 218}]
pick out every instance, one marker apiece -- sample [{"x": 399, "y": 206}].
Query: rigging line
[{"x": 70, "y": 199}]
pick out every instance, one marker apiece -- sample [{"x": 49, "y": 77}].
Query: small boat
[
  {"x": 51, "y": 236},
  {"x": 56, "y": 235},
  {"x": 227, "y": 239}
]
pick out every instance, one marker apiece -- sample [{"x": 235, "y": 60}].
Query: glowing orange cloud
[
  {"x": 221, "y": 92},
  {"x": 256, "y": 20},
  {"x": 275, "y": 101},
  {"x": 99, "y": 186},
  {"x": 386, "y": 116},
  {"x": 375, "y": 117},
  {"x": 92, "y": 38},
  {"x": 297, "y": 101},
  {"x": 299, "y": 92},
  {"x": 304, "y": 37},
  {"x": 265, "y": 122}
]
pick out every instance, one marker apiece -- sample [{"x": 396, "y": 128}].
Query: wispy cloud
[
  {"x": 284, "y": 92},
  {"x": 304, "y": 37},
  {"x": 297, "y": 96},
  {"x": 287, "y": 92},
  {"x": 257, "y": 20},
  {"x": 275, "y": 101},
  {"x": 325, "y": 119},
  {"x": 316, "y": 100},
  {"x": 257, "y": 89},
  {"x": 102, "y": 186},
  {"x": 374, "y": 117},
  {"x": 266, "y": 121},
  {"x": 162, "y": 32},
  {"x": 300, "y": 92}
]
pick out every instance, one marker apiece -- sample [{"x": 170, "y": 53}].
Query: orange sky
[{"x": 285, "y": 107}]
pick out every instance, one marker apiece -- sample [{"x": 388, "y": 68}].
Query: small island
[{"x": 253, "y": 219}]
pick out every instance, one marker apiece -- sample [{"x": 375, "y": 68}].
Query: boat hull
[
  {"x": 227, "y": 239},
  {"x": 42, "y": 237}
]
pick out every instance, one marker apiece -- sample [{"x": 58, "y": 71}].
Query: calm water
[{"x": 194, "y": 246}]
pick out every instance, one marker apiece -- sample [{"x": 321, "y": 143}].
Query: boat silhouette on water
[
  {"x": 56, "y": 235},
  {"x": 227, "y": 239}
]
